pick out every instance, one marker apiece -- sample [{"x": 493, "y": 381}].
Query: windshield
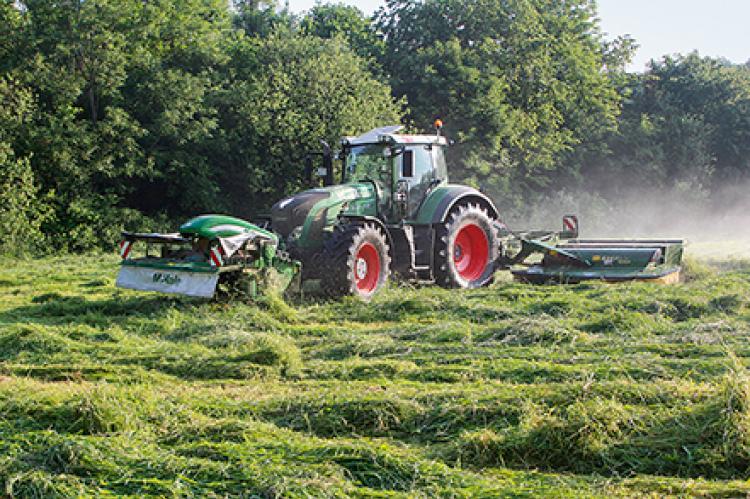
[{"x": 366, "y": 163}]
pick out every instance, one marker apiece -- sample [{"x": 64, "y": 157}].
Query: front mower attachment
[{"x": 210, "y": 253}]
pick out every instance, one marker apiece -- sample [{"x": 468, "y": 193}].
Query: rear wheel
[
  {"x": 358, "y": 261},
  {"x": 466, "y": 248}
]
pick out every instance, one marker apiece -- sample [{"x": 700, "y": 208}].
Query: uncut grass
[{"x": 422, "y": 391}]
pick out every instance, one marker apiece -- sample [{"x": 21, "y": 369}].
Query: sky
[{"x": 718, "y": 28}]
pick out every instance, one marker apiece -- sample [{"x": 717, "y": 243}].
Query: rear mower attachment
[{"x": 565, "y": 259}]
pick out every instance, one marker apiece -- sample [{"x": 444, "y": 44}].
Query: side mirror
[
  {"x": 327, "y": 169},
  {"x": 308, "y": 168},
  {"x": 392, "y": 152}
]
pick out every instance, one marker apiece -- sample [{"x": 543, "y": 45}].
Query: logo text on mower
[{"x": 164, "y": 278}]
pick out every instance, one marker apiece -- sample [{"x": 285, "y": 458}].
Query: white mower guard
[{"x": 198, "y": 284}]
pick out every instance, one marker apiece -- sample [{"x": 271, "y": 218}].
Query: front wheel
[
  {"x": 358, "y": 261},
  {"x": 466, "y": 248}
]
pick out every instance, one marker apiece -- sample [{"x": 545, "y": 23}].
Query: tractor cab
[{"x": 403, "y": 168}]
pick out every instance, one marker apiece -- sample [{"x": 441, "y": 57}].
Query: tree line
[{"x": 130, "y": 114}]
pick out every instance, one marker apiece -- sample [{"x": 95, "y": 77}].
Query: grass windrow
[{"x": 588, "y": 390}]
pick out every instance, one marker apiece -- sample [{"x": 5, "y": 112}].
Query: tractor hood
[{"x": 305, "y": 215}]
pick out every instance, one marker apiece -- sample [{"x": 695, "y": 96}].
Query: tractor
[{"x": 391, "y": 212}]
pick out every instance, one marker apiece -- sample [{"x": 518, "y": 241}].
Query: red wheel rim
[
  {"x": 367, "y": 268},
  {"x": 471, "y": 252}
]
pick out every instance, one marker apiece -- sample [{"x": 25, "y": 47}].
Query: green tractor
[{"x": 393, "y": 211}]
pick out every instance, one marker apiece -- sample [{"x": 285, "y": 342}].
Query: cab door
[{"x": 416, "y": 173}]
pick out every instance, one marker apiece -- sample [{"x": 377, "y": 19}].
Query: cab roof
[{"x": 388, "y": 135}]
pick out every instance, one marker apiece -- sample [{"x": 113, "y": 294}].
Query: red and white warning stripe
[
  {"x": 125, "y": 247},
  {"x": 570, "y": 223},
  {"x": 215, "y": 257}
]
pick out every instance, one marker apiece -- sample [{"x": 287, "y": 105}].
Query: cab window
[
  {"x": 407, "y": 165},
  {"x": 416, "y": 165},
  {"x": 366, "y": 162},
  {"x": 441, "y": 168},
  {"x": 417, "y": 171}
]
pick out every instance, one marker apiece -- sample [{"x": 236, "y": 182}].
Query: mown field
[{"x": 589, "y": 390}]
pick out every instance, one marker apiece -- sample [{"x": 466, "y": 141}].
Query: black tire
[
  {"x": 357, "y": 260},
  {"x": 466, "y": 248}
]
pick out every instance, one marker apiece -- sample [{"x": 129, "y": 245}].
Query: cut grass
[{"x": 587, "y": 390}]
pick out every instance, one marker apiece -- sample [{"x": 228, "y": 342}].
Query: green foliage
[
  {"x": 518, "y": 83},
  {"x": 144, "y": 111},
  {"x": 130, "y": 115},
  {"x": 92, "y": 134},
  {"x": 259, "y": 17},
  {"x": 683, "y": 128},
  {"x": 284, "y": 94},
  {"x": 22, "y": 211},
  {"x": 332, "y": 20}
]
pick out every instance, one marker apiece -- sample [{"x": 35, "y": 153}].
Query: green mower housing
[
  {"x": 210, "y": 253},
  {"x": 608, "y": 260}
]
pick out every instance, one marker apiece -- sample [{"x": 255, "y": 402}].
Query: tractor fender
[
  {"x": 374, "y": 220},
  {"x": 439, "y": 203}
]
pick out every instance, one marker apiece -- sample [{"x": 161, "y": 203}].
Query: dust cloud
[{"x": 715, "y": 229}]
